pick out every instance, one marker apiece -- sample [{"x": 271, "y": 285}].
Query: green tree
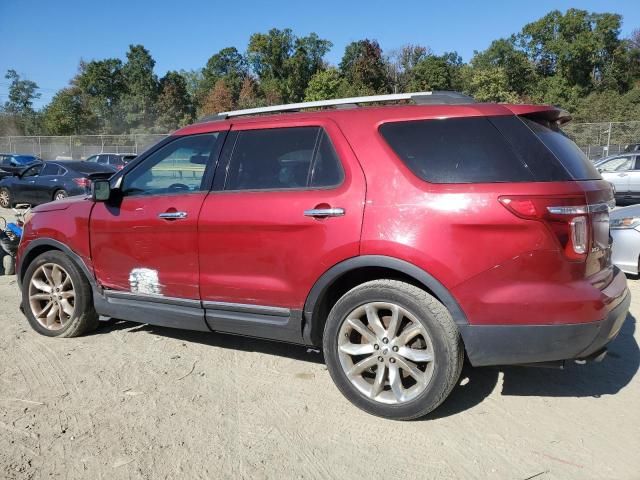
[
  {"x": 285, "y": 63},
  {"x": 18, "y": 113},
  {"x": 22, "y": 93},
  {"x": 326, "y": 85},
  {"x": 517, "y": 68},
  {"x": 436, "y": 72},
  {"x": 103, "y": 83},
  {"x": 68, "y": 113},
  {"x": 174, "y": 105},
  {"x": 490, "y": 84},
  {"x": 364, "y": 69},
  {"x": 227, "y": 64},
  {"x": 577, "y": 45},
  {"x": 138, "y": 101}
]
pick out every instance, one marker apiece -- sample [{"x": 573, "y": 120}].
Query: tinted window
[
  {"x": 568, "y": 153},
  {"x": 283, "y": 158},
  {"x": 458, "y": 150},
  {"x": 327, "y": 171},
  {"x": 177, "y": 167},
  {"x": 93, "y": 158},
  {"x": 33, "y": 171},
  {"x": 5, "y": 160},
  {"x": 50, "y": 169}
]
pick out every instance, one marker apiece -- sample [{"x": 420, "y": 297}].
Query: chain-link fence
[
  {"x": 596, "y": 139},
  {"x": 602, "y": 139},
  {"x": 78, "y": 147}
]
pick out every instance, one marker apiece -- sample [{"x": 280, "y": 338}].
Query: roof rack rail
[{"x": 420, "y": 98}]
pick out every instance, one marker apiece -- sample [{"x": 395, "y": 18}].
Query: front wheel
[
  {"x": 57, "y": 298},
  {"x": 392, "y": 349}
]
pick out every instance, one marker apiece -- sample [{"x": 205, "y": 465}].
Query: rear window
[
  {"x": 475, "y": 150},
  {"x": 568, "y": 153}
]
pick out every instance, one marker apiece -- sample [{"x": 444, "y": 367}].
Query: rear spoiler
[{"x": 541, "y": 112}]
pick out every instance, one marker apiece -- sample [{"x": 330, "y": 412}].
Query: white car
[{"x": 623, "y": 171}]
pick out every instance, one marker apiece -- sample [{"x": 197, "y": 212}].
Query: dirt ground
[{"x": 136, "y": 401}]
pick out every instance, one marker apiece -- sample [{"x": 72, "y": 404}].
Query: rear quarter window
[
  {"x": 456, "y": 150},
  {"x": 478, "y": 150}
]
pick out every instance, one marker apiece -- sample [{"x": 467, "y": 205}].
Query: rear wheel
[
  {"x": 392, "y": 349},
  {"x": 56, "y": 297},
  {"x": 6, "y": 200},
  {"x": 60, "y": 194}
]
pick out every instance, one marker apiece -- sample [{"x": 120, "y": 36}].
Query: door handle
[
  {"x": 172, "y": 215},
  {"x": 622, "y": 174},
  {"x": 324, "y": 212}
]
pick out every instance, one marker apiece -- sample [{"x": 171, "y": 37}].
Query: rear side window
[
  {"x": 457, "y": 150},
  {"x": 568, "y": 153},
  {"x": 475, "y": 150},
  {"x": 50, "y": 169},
  {"x": 283, "y": 158}
]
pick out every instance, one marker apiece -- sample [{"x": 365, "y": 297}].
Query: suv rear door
[{"x": 287, "y": 205}]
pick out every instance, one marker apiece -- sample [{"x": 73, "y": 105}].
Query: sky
[{"x": 44, "y": 40}]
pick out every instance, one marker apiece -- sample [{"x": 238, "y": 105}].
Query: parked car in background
[
  {"x": 632, "y": 147},
  {"x": 11, "y": 163},
  {"x": 625, "y": 231},
  {"x": 117, "y": 160},
  {"x": 399, "y": 239},
  {"x": 623, "y": 172},
  {"x": 49, "y": 181}
]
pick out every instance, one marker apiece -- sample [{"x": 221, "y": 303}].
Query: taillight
[
  {"x": 82, "y": 182},
  {"x": 566, "y": 217}
]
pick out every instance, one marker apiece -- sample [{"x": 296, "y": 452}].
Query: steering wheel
[{"x": 178, "y": 186}]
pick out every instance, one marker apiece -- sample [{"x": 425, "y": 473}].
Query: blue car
[
  {"x": 11, "y": 163},
  {"x": 47, "y": 181}
]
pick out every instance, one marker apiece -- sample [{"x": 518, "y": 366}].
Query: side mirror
[{"x": 100, "y": 190}]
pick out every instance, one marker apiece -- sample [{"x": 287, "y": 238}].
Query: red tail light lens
[
  {"x": 82, "y": 182},
  {"x": 566, "y": 217}
]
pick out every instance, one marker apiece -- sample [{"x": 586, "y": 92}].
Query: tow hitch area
[{"x": 594, "y": 357}]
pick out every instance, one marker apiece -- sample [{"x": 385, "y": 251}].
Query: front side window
[
  {"x": 283, "y": 159},
  {"x": 33, "y": 171},
  {"x": 177, "y": 167}
]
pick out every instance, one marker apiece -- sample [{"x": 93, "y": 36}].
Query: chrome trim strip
[
  {"x": 247, "y": 308},
  {"x": 141, "y": 297},
  {"x": 582, "y": 209}
]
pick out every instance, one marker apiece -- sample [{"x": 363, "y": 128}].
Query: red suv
[{"x": 396, "y": 238}]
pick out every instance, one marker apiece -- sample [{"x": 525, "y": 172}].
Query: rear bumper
[{"x": 525, "y": 344}]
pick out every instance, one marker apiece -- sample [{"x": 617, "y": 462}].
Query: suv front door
[
  {"x": 287, "y": 205},
  {"x": 145, "y": 242}
]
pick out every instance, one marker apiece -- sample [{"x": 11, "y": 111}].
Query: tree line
[{"x": 576, "y": 59}]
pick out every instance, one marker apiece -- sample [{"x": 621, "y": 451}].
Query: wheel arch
[
  {"x": 340, "y": 278},
  {"x": 42, "y": 245}
]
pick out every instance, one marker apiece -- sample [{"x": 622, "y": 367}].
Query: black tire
[
  {"x": 448, "y": 350},
  {"x": 84, "y": 318},
  {"x": 6, "y": 199},
  {"x": 60, "y": 194}
]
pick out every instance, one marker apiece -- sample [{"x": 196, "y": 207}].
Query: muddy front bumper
[{"x": 529, "y": 344}]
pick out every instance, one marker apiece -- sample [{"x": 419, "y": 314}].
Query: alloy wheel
[
  {"x": 52, "y": 296},
  {"x": 386, "y": 353},
  {"x": 4, "y": 198}
]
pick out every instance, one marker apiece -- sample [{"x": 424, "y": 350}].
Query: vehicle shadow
[
  {"x": 220, "y": 340},
  {"x": 590, "y": 380},
  {"x": 475, "y": 384}
]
